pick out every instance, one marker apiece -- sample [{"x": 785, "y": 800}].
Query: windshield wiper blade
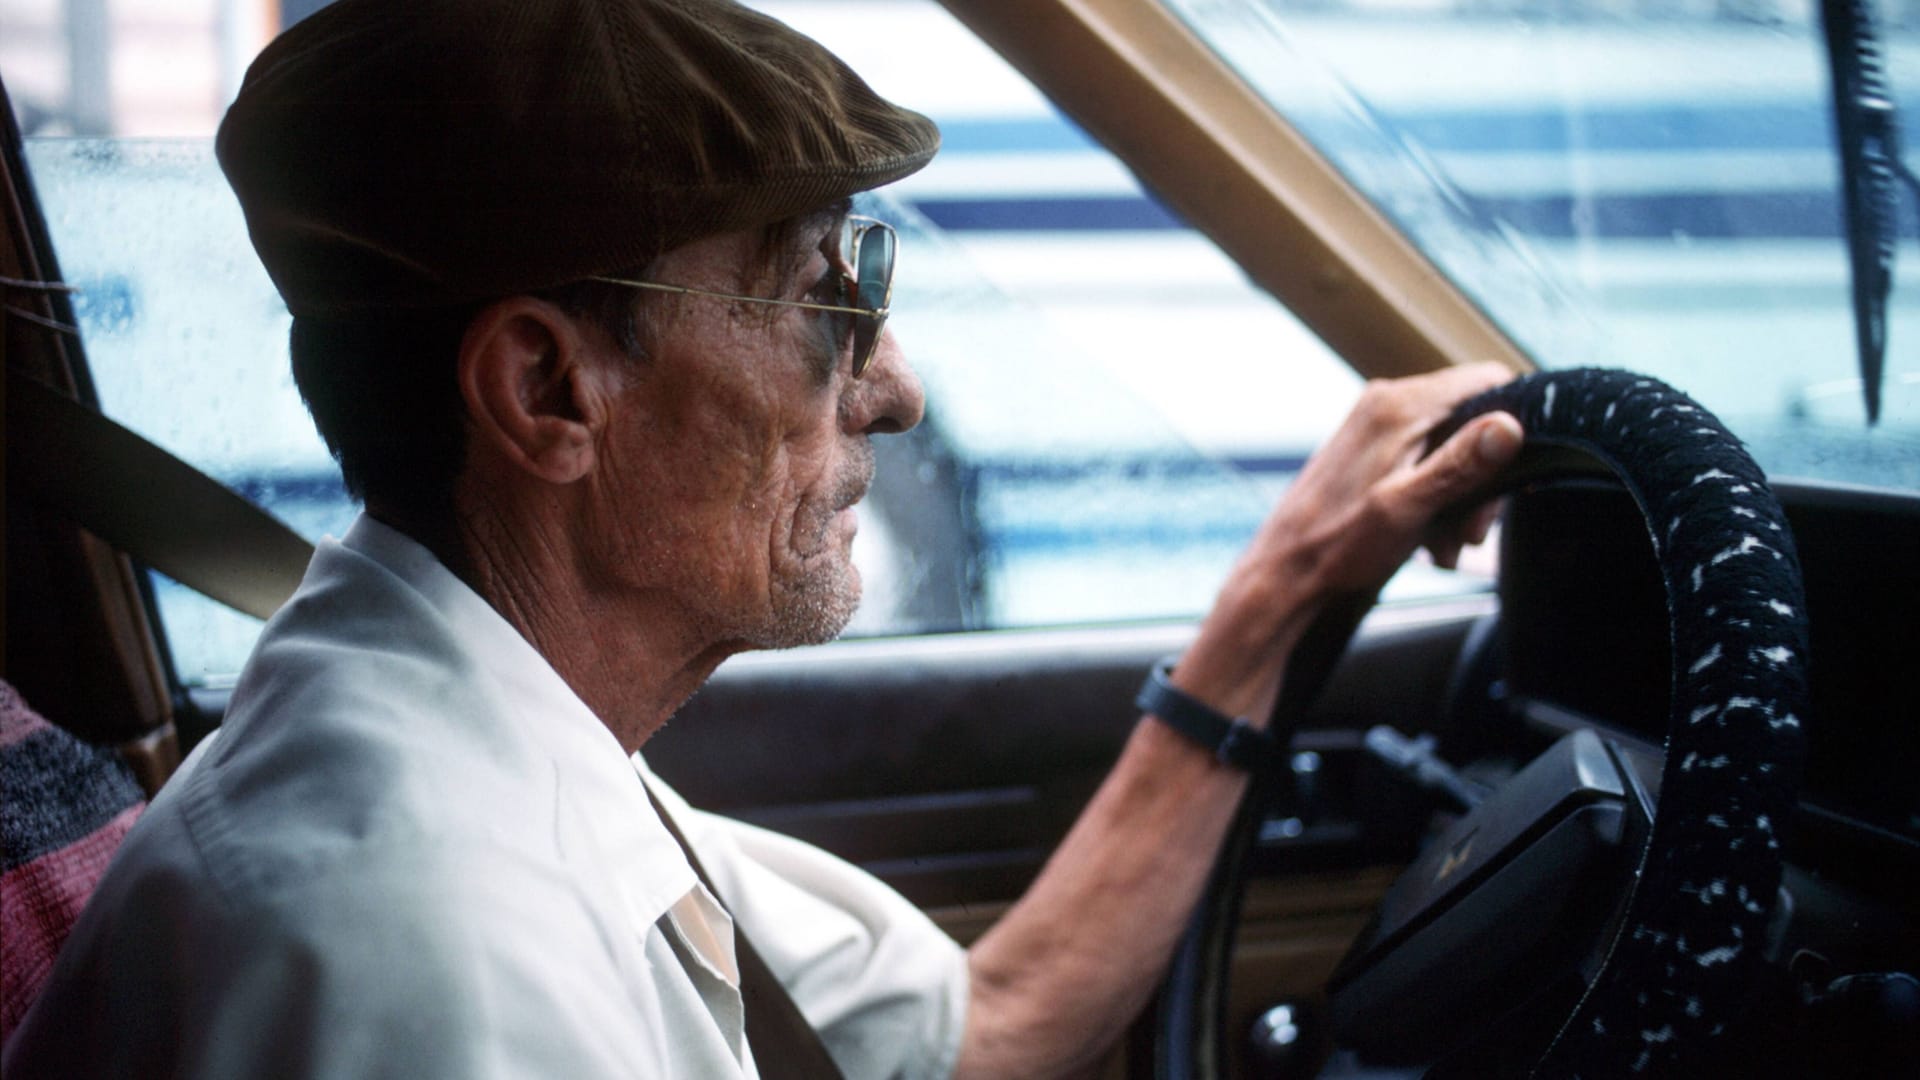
[{"x": 1868, "y": 129}]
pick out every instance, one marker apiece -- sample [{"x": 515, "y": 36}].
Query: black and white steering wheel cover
[{"x": 1693, "y": 932}]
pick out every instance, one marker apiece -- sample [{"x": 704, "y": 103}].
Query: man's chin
[{"x": 817, "y": 610}]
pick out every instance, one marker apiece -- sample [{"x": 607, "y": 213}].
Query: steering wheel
[{"x": 1670, "y": 966}]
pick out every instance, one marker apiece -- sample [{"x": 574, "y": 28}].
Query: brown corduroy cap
[{"x": 413, "y": 153}]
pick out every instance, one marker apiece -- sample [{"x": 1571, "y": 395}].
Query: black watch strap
[{"x": 1230, "y": 739}]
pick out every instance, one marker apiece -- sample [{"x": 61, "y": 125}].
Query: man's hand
[{"x": 1364, "y": 502}]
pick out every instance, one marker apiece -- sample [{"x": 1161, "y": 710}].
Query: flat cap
[{"x": 394, "y": 154}]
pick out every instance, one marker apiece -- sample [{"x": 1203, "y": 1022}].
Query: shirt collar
[{"x": 596, "y": 775}]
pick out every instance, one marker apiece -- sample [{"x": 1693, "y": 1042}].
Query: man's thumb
[
  {"x": 1468, "y": 460},
  {"x": 1498, "y": 441}
]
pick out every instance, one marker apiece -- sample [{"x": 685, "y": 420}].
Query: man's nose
[{"x": 888, "y": 398}]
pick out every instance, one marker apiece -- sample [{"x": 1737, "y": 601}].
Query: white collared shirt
[{"x": 413, "y": 851}]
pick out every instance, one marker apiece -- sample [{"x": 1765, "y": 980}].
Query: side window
[
  {"x": 187, "y": 341},
  {"x": 1112, "y": 407}
]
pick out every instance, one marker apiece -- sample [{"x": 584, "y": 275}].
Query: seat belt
[
  {"x": 148, "y": 503},
  {"x": 785, "y": 1046}
]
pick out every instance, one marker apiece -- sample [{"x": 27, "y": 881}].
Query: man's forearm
[{"x": 1058, "y": 979}]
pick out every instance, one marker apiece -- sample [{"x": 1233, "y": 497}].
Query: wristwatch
[{"x": 1230, "y": 739}]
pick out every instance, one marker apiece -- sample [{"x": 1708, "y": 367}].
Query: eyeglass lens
[{"x": 873, "y": 262}]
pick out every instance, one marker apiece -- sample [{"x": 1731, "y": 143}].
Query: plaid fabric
[{"x": 64, "y": 807}]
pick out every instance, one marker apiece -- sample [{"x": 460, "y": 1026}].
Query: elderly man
[{"x": 580, "y": 309}]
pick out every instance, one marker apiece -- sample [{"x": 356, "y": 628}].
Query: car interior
[{"x": 1502, "y": 798}]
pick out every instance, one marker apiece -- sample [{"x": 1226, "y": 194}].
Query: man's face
[{"x": 738, "y": 446}]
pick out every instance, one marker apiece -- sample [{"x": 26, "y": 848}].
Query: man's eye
[{"x": 830, "y": 289}]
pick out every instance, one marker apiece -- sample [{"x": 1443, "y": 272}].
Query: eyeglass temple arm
[{"x": 687, "y": 290}]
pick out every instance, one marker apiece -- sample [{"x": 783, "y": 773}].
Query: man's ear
[{"x": 527, "y": 376}]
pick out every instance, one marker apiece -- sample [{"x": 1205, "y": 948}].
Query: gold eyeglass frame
[{"x": 854, "y": 233}]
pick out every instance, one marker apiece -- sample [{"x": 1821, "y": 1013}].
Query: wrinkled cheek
[
  {"x": 741, "y": 527},
  {"x": 822, "y": 532},
  {"x": 707, "y": 554}
]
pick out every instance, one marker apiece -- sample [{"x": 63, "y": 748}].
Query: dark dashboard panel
[
  {"x": 1585, "y": 630},
  {"x": 1582, "y": 606}
]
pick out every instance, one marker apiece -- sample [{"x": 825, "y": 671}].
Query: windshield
[{"x": 1643, "y": 186}]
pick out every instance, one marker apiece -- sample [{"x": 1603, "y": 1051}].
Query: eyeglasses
[{"x": 865, "y": 257}]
